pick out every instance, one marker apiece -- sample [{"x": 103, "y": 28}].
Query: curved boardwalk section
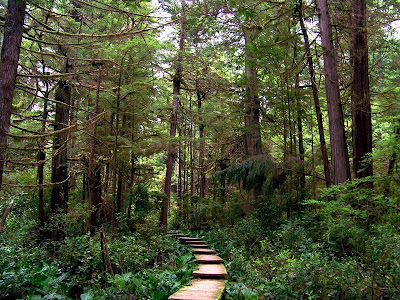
[{"x": 210, "y": 276}]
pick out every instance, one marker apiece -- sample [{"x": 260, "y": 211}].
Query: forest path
[{"x": 210, "y": 276}]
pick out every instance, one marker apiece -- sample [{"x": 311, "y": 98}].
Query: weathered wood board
[
  {"x": 208, "y": 259},
  {"x": 201, "y": 289},
  {"x": 210, "y": 271}
]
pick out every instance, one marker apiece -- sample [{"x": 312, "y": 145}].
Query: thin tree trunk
[
  {"x": 59, "y": 173},
  {"x": 41, "y": 157},
  {"x": 131, "y": 181},
  {"x": 174, "y": 120},
  {"x": 284, "y": 120},
  {"x": 192, "y": 167},
  {"x": 200, "y": 98},
  {"x": 5, "y": 214},
  {"x": 185, "y": 169},
  {"x": 361, "y": 107},
  {"x": 300, "y": 133},
  {"x": 324, "y": 152},
  {"x": 180, "y": 166},
  {"x": 116, "y": 205},
  {"x": 339, "y": 151},
  {"x": 392, "y": 163},
  {"x": 13, "y": 29},
  {"x": 94, "y": 173}
]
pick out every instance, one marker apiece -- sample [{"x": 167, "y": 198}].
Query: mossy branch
[{"x": 68, "y": 129}]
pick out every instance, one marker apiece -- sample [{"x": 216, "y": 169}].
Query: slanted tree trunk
[
  {"x": 252, "y": 103},
  {"x": 339, "y": 151},
  {"x": 174, "y": 120},
  {"x": 13, "y": 29},
  {"x": 317, "y": 105},
  {"x": 361, "y": 107},
  {"x": 59, "y": 171}
]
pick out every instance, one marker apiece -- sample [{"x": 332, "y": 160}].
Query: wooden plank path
[{"x": 210, "y": 276}]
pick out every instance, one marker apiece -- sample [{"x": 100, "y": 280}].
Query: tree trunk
[
  {"x": 116, "y": 182},
  {"x": 94, "y": 172},
  {"x": 200, "y": 97},
  {"x": 392, "y": 163},
  {"x": 252, "y": 103},
  {"x": 59, "y": 171},
  {"x": 174, "y": 120},
  {"x": 361, "y": 107},
  {"x": 192, "y": 167},
  {"x": 5, "y": 214},
  {"x": 180, "y": 167},
  {"x": 13, "y": 29},
  {"x": 317, "y": 105},
  {"x": 284, "y": 120},
  {"x": 339, "y": 151},
  {"x": 41, "y": 157},
  {"x": 300, "y": 133}
]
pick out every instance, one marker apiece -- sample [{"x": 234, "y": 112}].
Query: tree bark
[
  {"x": 339, "y": 151},
  {"x": 5, "y": 214},
  {"x": 59, "y": 171},
  {"x": 94, "y": 172},
  {"x": 41, "y": 157},
  {"x": 117, "y": 181},
  {"x": 361, "y": 107},
  {"x": 180, "y": 167},
  {"x": 300, "y": 134},
  {"x": 13, "y": 29},
  {"x": 252, "y": 103},
  {"x": 392, "y": 163},
  {"x": 200, "y": 97},
  {"x": 174, "y": 120},
  {"x": 311, "y": 71}
]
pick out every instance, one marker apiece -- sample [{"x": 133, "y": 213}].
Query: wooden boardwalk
[{"x": 210, "y": 276}]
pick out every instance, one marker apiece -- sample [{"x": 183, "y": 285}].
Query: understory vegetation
[
  {"x": 145, "y": 264},
  {"x": 344, "y": 245}
]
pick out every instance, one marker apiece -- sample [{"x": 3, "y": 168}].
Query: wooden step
[
  {"x": 197, "y": 245},
  {"x": 208, "y": 259},
  {"x": 180, "y": 235},
  {"x": 210, "y": 271},
  {"x": 203, "y": 251},
  {"x": 194, "y": 242},
  {"x": 189, "y": 239},
  {"x": 201, "y": 289}
]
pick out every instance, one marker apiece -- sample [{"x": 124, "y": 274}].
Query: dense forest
[{"x": 270, "y": 128}]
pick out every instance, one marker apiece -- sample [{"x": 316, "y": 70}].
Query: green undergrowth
[
  {"x": 293, "y": 263},
  {"x": 146, "y": 264},
  {"x": 345, "y": 245}
]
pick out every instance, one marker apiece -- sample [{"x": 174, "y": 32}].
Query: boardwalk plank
[
  {"x": 201, "y": 289},
  {"x": 203, "y": 251},
  {"x": 208, "y": 259},
  {"x": 189, "y": 239},
  {"x": 197, "y": 245},
  {"x": 210, "y": 271}
]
